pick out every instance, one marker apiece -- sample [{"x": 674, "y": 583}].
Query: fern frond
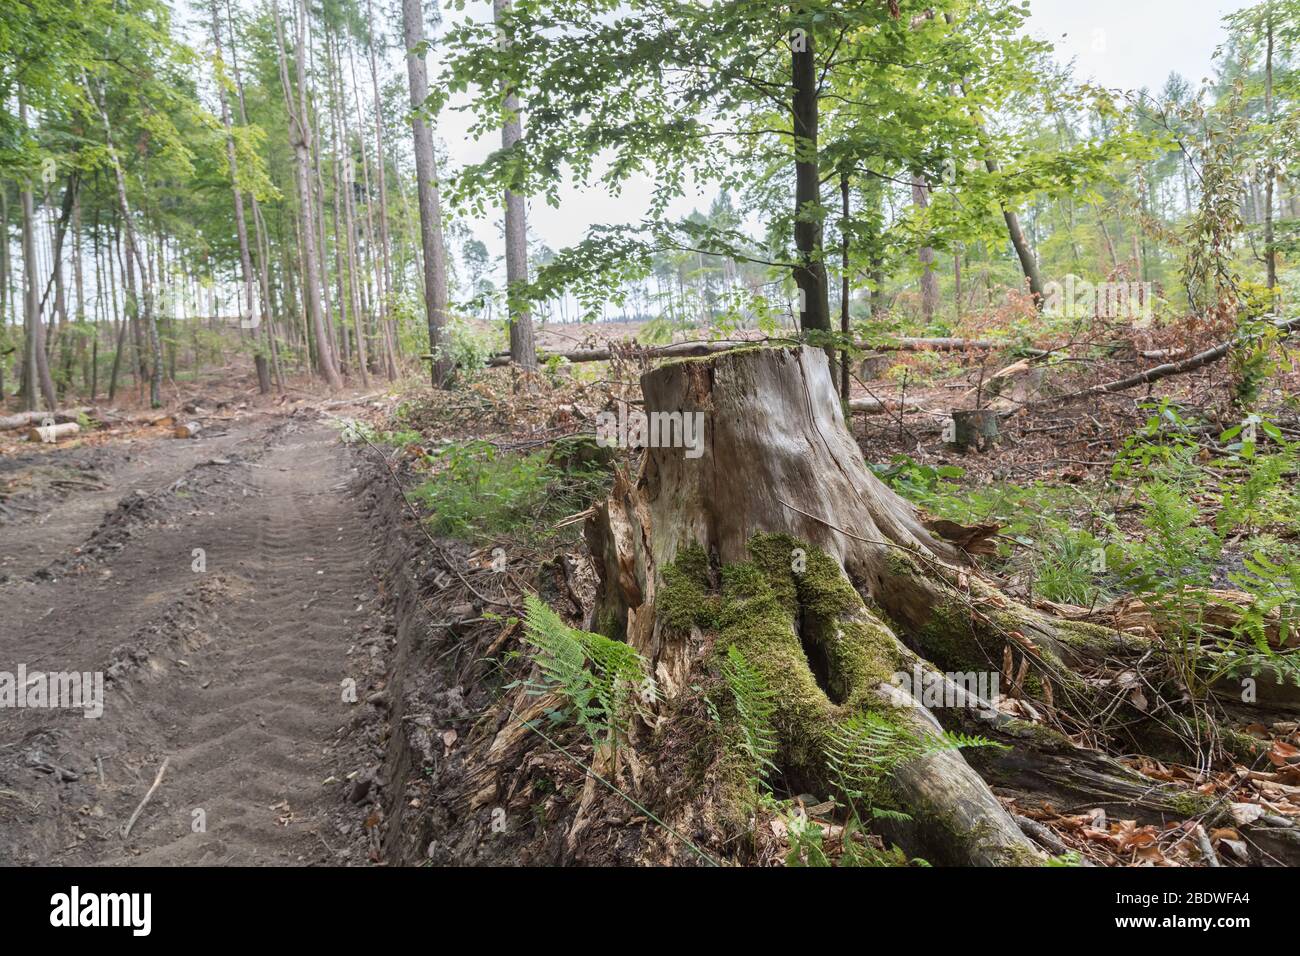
[
  {"x": 754, "y": 709},
  {"x": 864, "y": 749},
  {"x": 601, "y": 679}
]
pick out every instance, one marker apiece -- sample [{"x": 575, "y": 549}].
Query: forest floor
[{"x": 222, "y": 586}]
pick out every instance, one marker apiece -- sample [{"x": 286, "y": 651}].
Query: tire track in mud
[{"x": 232, "y": 675}]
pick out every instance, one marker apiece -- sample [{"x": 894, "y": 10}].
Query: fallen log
[
  {"x": 879, "y": 406},
  {"x": 52, "y": 433},
  {"x": 27, "y": 419},
  {"x": 1167, "y": 370},
  {"x": 702, "y": 348},
  {"x": 187, "y": 430}
]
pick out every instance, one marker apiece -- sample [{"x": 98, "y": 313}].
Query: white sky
[{"x": 1118, "y": 43}]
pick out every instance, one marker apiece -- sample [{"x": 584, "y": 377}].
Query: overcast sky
[{"x": 1118, "y": 43}]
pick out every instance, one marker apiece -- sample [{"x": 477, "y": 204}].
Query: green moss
[
  {"x": 951, "y": 639},
  {"x": 787, "y": 603},
  {"x": 683, "y": 599}
]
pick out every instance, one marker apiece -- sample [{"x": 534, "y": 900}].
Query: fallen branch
[
  {"x": 126, "y": 830},
  {"x": 1167, "y": 370}
]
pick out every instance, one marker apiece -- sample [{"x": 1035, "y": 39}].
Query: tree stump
[
  {"x": 974, "y": 428},
  {"x": 873, "y": 366},
  {"x": 779, "y": 541}
]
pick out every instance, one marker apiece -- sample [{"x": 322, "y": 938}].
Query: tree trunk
[
  {"x": 36, "y": 367},
  {"x": 1270, "y": 169},
  {"x": 249, "y": 317},
  {"x": 261, "y": 245},
  {"x": 810, "y": 273},
  {"x": 929, "y": 278},
  {"x": 300, "y": 138},
  {"x": 522, "y": 349},
  {"x": 844, "y": 285},
  {"x": 426, "y": 184},
  {"x": 385, "y": 296},
  {"x": 134, "y": 255},
  {"x": 809, "y": 563}
]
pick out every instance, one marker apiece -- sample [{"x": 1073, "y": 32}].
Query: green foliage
[
  {"x": 863, "y": 750},
  {"x": 478, "y": 491},
  {"x": 754, "y": 710},
  {"x": 600, "y": 680},
  {"x": 1271, "y": 621},
  {"x": 354, "y": 431},
  {"x": 917, "y": 481}
]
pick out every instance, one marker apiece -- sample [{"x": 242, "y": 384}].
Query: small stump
[{"x": 975, "y": 428}]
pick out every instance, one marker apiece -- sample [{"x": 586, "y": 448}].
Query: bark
[
  {"x": 844, "y": 285},
  {"x": 426, "y": 184},
  {"x": 25, "y": 419},
  {"x": 925, "y": 255},
  {"x": 810, "y": 273},
  {"x": 300, "y": 139},
  {"x": 1270, "y": 170},
  {"x": 36, "y": 373},
  {"x": 390, "y": 332},
  {"x": 241, "y": 227},
  {"x": 824, "y": 647},
  {"x": 53, "y": 433},
  {"x": 135, "y": 254},
  {"x": 523, "y": 351}
]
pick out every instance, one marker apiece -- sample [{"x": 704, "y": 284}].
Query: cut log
[
  {"x": 52, "y": 433},
  {"x": 187, "y": 430},
  {"x": 27, "y": 419},
  {"x": 780, "y": 542}
]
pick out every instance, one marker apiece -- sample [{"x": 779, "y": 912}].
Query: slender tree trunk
[
  {"x": 250, "y": 311},
  {"x": 1028, "y": 264},
  {"x": 37, "y": 369},
  {"x": 844, "y": 285},
  {"x": 300, "y": 140},
  {"x": 386, "y": 293},
  {"x": 261, "y": 244},
  {"x": 929, "y": 278},
  {"x": 133, "y": 251},
  {"x": 810, "y": 272},
  {"x": 426, "y": 180},
  {"x": 1270, "y": 169},
  {"x": 523, "y": 350}
]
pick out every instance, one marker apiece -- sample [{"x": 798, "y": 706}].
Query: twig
[{"x": 126, "y": 830}]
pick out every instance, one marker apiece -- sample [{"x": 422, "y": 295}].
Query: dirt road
[{"x": 222, "y": 587}]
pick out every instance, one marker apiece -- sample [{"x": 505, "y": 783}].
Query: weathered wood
[
  {"x": 778, "y": 460},
  {"x": 701, "y": 348},
  {"x": 187, "y": 430},
  {"x": 52, "y": 433},
  {"x": 24, "y": 419},
  {"x": 880, "y": 406},
  {"x": 1168, "y": 370},
  {"x": 975, "y": 428}
]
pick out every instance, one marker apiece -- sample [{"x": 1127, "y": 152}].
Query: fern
[
  {"x": 865, "y": 749},
  {"x": 754, "y": 709},
  {"x": 601, "y": 680}
]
